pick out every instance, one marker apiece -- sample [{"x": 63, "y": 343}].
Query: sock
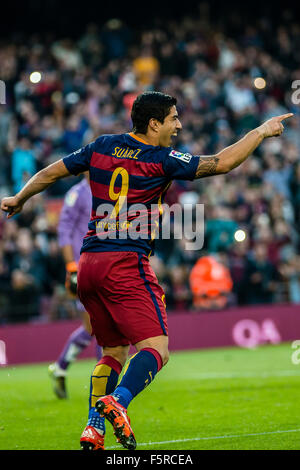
[
  {"x": 104, "y": 380},
  {"x": 76, "y": 343},
  {"x": 139, "y": 373}
]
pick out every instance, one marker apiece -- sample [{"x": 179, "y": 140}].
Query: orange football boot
[
  {"x": 91, "y": 439},
  {"x": 116, "y": 414}
]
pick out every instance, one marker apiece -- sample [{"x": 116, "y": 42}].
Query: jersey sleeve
[
  {"x": 180, "y": 166},
  {"x": 79, "y": 161}
]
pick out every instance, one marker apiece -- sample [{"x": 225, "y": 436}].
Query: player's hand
[
  {"x": 273, "y": 127},
  {"x": 71, "y": 278},
  {"x": 11, "y": 205}
]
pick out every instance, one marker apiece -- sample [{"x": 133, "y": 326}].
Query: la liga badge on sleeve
[{"x": 185, "y": 157}]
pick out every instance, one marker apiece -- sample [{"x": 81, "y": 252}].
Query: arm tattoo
[{"x": 207, "y": 166}]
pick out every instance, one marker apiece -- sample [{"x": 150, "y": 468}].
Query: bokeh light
[
  {"x": 240, "y": 235},
  {"x": 35, "y": 77},
  {"x": 260, "y": 83}
]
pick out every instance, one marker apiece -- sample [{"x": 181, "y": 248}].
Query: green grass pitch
[{"x": 227, "y": 398}]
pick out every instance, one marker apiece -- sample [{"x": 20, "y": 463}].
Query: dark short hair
[{"x": 150, "y": 104}]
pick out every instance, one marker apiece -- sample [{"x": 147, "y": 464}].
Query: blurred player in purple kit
[
  {"x": 72, "y": 227},
  {"x": 116, "y": 283}
]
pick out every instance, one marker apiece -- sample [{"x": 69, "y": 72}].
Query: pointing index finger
[{"x": 285, "y": 116}]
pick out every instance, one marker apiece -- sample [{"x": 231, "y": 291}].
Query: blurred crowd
[{"x": 86, "y": 88}]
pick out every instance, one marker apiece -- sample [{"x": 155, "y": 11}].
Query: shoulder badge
[
  {"x": 77, "y": 151},
  {"x": 185, "y": 157}
]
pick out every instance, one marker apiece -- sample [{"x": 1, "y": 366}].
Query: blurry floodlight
[
  {"x": 35, "y": 77},
  {"x": 72, "y": 98},
  {"x": 240, "y": 235},
  {"x": 259, "y": 83}
]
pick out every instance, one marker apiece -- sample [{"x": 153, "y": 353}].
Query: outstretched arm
[
  {"x": 232, "y": 156},
  {"x": 38, "y": 183}
]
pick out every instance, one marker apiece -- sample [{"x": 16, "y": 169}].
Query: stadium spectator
[
  {"x": 23, "y": 163},
  {"x": 237, "y": 264},
  {"x": 179, "y": 292},
  {"x": 211, "y": 284},
  {"x": 28, "y": 277},
  {"x": 146, "y": 67},
  {"x": 220, "y": 229},
  {"x": 289, "y": 269},
  {"x": 261, "y": 276}
]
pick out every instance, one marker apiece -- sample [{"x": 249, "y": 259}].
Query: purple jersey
[{"x": 75, "y": 216}]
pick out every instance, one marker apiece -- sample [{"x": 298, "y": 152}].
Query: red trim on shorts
[
  {"x": 111, "y": 362},
  {"x": 157, "y": 357}
]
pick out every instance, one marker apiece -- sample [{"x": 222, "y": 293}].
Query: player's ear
[{"x": 154, "y": 124}]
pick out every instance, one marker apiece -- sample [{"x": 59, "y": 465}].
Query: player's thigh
[
  {"x": 136, "y": 303},
  {"x": 91, "y": 275},
  {"x": 103, "y": 327}
]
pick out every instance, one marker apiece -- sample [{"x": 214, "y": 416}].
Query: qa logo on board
[
  {"x": 249, "y": 333},
  {"x": 3, "y": 358}
]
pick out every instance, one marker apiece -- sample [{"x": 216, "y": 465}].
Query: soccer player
[
  {"x": 72, "y": 227},
  {"x": 115, "y": 282}
]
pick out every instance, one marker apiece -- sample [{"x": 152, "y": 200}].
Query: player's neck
[{"x": 148, "y": 139}]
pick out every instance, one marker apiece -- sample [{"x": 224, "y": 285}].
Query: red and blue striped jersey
[{"x": 124, "y": 172}]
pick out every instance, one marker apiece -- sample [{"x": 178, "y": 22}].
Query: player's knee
[
  {"x": 119, "y": 353},
  {"x": 159, "y": 344},
  {"x": 165, "y": 356}
]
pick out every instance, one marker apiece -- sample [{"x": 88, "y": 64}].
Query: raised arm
[
  {"x": 38, "y": 183},
  {"x": 232, "y": 156}
]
